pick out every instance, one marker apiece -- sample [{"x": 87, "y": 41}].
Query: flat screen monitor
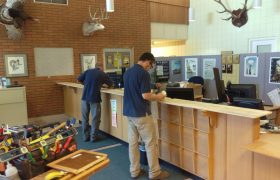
[
  {"x": 242, "y": 90},
  {"x": 180, "y": 93},
  {"x": 220, "y": 87}
]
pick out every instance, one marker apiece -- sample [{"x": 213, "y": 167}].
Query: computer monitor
[
  {"x": 241, "y": 90},
  {"x": 180, "y": 93},
  {"x": 116, "y": 78},
  {"x": 220, "y": 87}
]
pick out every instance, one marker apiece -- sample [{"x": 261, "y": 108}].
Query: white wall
[{"x": 211, "y": 35}]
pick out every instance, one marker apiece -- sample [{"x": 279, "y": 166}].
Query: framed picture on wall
[
  {"x": 116, "y": 58},
  {"x": 88, "y": 61},
  {"x": 15, "y": 65},
  {"x": 251, "y": 66},
  {"x": 274, "y": 70}
]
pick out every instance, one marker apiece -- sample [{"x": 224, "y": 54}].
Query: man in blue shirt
[
  {"x": 92, "y": 79},
  {"x": 137, "y": 97}
]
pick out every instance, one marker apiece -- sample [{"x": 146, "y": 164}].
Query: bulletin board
[
  {"x": 116, "y": 58},
  {"x": 54, "y": 61},
  {"x": 162, "y": 71}
]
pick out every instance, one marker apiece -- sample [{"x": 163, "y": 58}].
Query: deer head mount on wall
[
  {"x": 238, "y": 17},
  {"x": 94, "y": 24},
  {"x": 13, "y": 16}
]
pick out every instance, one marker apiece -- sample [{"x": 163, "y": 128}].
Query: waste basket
[{"x": 143, "y": 154}]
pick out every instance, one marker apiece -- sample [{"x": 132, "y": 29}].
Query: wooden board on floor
[
  {"x": 78, "y": 161},
  {"x": 82, "y": 176}
]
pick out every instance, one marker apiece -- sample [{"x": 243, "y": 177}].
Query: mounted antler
[
  {"x": 238, "y": 17},
  {"x": 95, "y": 22},
  {"x": 13, "y": 16}
]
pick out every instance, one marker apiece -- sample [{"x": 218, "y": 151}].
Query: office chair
[{"x": 198, "y": 80}]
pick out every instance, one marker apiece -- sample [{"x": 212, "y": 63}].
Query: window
[
  {"x": 65, "y": 2},
  {"x": 262, "y": 45}
]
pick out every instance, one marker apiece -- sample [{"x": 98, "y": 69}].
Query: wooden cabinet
[
  {"x": 208, "y": 140},
  {"x": 185, "y": 139},
  {"x": 13, "y": 108},
  {"x": 106, "y": 115}
]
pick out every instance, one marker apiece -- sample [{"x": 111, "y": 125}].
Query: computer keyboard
[{"x": 207, "y": 100}]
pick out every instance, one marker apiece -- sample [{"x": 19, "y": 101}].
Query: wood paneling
[{"x": 164, "y": 11}]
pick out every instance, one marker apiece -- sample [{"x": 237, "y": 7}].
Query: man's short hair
[
  {"x": 98, "y": 65},
  {"x": 147, "y": 56}
]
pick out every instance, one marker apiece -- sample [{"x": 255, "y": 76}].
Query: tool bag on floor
[{"x": 35, "y": 162}]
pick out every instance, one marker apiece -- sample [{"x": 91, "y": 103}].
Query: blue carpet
[{"x": 118, "y": 168}]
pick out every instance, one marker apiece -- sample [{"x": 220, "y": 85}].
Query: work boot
[
  {"x": 138, "y": 175},
  {"x": 162, "y": 175}
]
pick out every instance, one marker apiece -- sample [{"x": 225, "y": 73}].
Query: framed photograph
[
  {"x": 15, "y": 65},
  {"x": 88, "y": 61},
  {"x": 274, "y": 70},
  {"x": 115, "y": 59},
  {"x": 251, "y": 66}
]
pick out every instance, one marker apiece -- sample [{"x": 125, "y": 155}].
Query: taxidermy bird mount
[
  {"x": 238, "y": 17},
  {"x": 13, "y": 16}
]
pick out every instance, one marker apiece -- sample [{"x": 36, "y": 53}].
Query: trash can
[{"x": 143, "y": 154}]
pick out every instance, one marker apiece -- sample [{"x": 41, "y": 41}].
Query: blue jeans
[{"x": 90, "y": 133}]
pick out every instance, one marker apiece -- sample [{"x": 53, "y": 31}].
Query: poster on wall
[
  {"x": 251, "y": 66},
  {"x": 274, "y": 70},
  {"x": 162, "y": 71},
  {"x": 176, "y": 67},
  {"x": 208, "y": 65},
  {"x": 114, "y": 112},
  {"x": 190, "y": 67}
]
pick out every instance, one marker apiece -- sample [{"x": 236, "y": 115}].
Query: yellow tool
[
  {"x": 54, "y": 175},
  {"x": 46, "y": 136},
  {"x": 5, "y": 144}
]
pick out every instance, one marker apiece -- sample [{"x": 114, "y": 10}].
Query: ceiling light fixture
[
  {"x": 110, "y": 7},
  {"x": 257, "y": 4},
  {"x": 191, "y": 14}
]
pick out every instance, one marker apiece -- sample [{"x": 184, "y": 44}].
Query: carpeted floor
[{"x": 118, "y": 168}]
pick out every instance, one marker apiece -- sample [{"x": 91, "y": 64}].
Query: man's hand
[
  {"x": 158, "y": 85},
  {"x": 160, "y": 96}
]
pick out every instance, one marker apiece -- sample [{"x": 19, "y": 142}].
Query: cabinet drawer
[
  {"x": 12, "y": 96},
  {"x": 188, "y": 160}
]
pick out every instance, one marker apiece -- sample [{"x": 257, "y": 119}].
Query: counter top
[
  {"x": 268, "y": 145},
  {"x": 219, "y": 108},
  {"x": 70, "y": 84},
  {"x": 7, "y": 89},
  {"x": 104, "y": 90}
]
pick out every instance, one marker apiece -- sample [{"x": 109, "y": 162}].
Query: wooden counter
[
  {"x": 218, "y": 108},
  {"x": 205, "y": 139},
  {"x": 266, "y": 157},
  {"x": 13, "y": 108}
]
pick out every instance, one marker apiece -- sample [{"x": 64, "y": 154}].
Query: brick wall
[{"x": 60, "y": 26}]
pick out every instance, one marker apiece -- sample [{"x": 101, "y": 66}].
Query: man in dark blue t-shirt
[
  {"x": 136, "y": 106},
  {"x": 92, "y": 80}
]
